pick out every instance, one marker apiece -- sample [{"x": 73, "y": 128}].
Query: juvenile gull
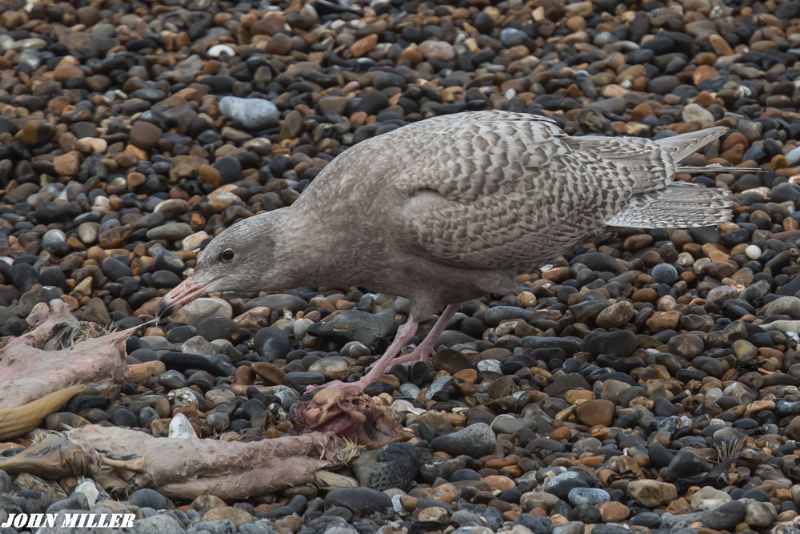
[{"x": 452, "y": 208}]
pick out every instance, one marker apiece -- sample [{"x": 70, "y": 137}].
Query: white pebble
[
  {"x": 180, "y": 427},
  {"x": 753, "y": 252},
  {"x": 221, "y": 50},
  {"x": 91, "y": 492},
  {"x": 53, "y": 236},
  {"x": 489, "y": 366}
]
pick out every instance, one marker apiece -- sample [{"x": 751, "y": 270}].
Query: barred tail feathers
[
  {"x": 679, "y": 205},
  {"x": 682, "y": 146}
]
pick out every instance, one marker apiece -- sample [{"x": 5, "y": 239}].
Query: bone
[{"x": 349, "y": 413}]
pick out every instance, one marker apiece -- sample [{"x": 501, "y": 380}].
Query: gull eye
[{"x": 226, "y": 255}]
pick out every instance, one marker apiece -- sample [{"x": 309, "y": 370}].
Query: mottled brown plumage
[{"x": 451, "y": 208}]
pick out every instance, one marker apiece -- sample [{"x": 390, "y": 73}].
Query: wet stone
[
  {"x": 360, "y": 501},
  {"x": 475, "y": 440}
]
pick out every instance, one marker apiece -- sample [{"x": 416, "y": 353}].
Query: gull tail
[
  {"x": 681, "y": 204},
  {"x": 682, "y": 146}
]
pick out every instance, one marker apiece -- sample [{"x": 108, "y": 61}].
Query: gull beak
[{"x": 179, "y": 296}]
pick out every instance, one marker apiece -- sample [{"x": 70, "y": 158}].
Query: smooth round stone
[
  {"x": 201, "y": 379},
  {"x": 708, "y": 498},
  {"x": 334, "y": 368},
  {"x": 219, "y": 422},
  {"x": 123, "y": 417},
  {"x": 167, "y": 261},
  {"x": 490, "y": 366},
  {"x": 753, "y": 252},
  {"x": 114, "y": 268},
  {"x": 355, "y": 349},
  {"x": 172, "y": 231},
  {"x": 201, "y": 308},
  {"x": 216, "y": 327},
  {"x": 476, "y": 440},
  {"x": 725, "y": 517},
  {"x": 513, "y": 36},
  {"x": 53, "y": 238},
  {"x": 199, "y": 345},
  {"x": 218, "y": 396},
  {"x": 221, "y": 50},
  {"x": 360, "y": 501},
  {"x": 588, "y": 496},
  {"x": 165, "y": 279},
  {"x": 172, "y": 379},
  {"x": 146, "y": 497},
  {"x": 272, "y": 343},
  {"x": 664, "y": 273},
  {"x": 23, "y": 276},
  {"x": 172, "y": 207},
  {"x": 76, "y": 501},
  {"x": 563, "y": 483},
  {"x": 300, "y": 379},
  {"x": 87, "y": 232},
  {"x": 409, "y": 390},
  {"x": 50, "y": 212},
  {"x": 53, "y": 276},
  {"x": 252, "y": 113}
]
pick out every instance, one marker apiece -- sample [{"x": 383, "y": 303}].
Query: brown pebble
[
  {"x": 613, "y": 512},
  {"x": 269, "y": 372},
  {"x": 596, "y": 412},
  {"x": 145, "y": 134}
]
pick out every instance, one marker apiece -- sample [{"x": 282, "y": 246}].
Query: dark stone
[
  {"x": 726, "y": 517},
  {"x": 115, "y": 269},
  {"x": 371, "y": 102},
  {"x": 475, "y": 440},
  {"x": 217, "y": 327},
  {"x": 272, "y": 343},
  {"x": 360, "y": 501},
  {"x": 230, "y": 168},
  {"x": 181, "y": 361},
  {"x": 617, "y": 344},
  {"x": 149, "y": 498},
  {"x": 355, "y": 325},
  {"x": 165, "y": 279},
  {"x": 23, "y": 276},
  {"x": 686, "y": 465},
  {"x": 50, "y": 212}
]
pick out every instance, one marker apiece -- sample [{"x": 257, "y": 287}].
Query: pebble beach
[{"x": 647, "y": 382}]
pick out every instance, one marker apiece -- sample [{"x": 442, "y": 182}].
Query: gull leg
[
  {"x": 404, "y": 334},
  {"x": 425, "y": 350}
]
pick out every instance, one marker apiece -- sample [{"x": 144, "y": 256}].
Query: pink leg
[
  {"x": 427, "y": 348},
  {"x": 404, "y": 334}
]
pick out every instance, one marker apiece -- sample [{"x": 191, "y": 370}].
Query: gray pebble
[{"x": 252, "y": 113}]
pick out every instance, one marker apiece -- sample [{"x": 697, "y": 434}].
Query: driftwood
[{"x": 180, "y": 468}]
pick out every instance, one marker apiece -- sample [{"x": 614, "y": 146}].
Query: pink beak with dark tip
[{"x": 179, "y": 296}]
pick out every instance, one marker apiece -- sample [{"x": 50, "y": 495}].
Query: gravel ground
[{"x": 648, "y": 383}]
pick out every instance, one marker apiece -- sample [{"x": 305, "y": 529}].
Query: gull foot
[
  {"x": 333, "y": 383},
  {"x": 419, "y": 354}
]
